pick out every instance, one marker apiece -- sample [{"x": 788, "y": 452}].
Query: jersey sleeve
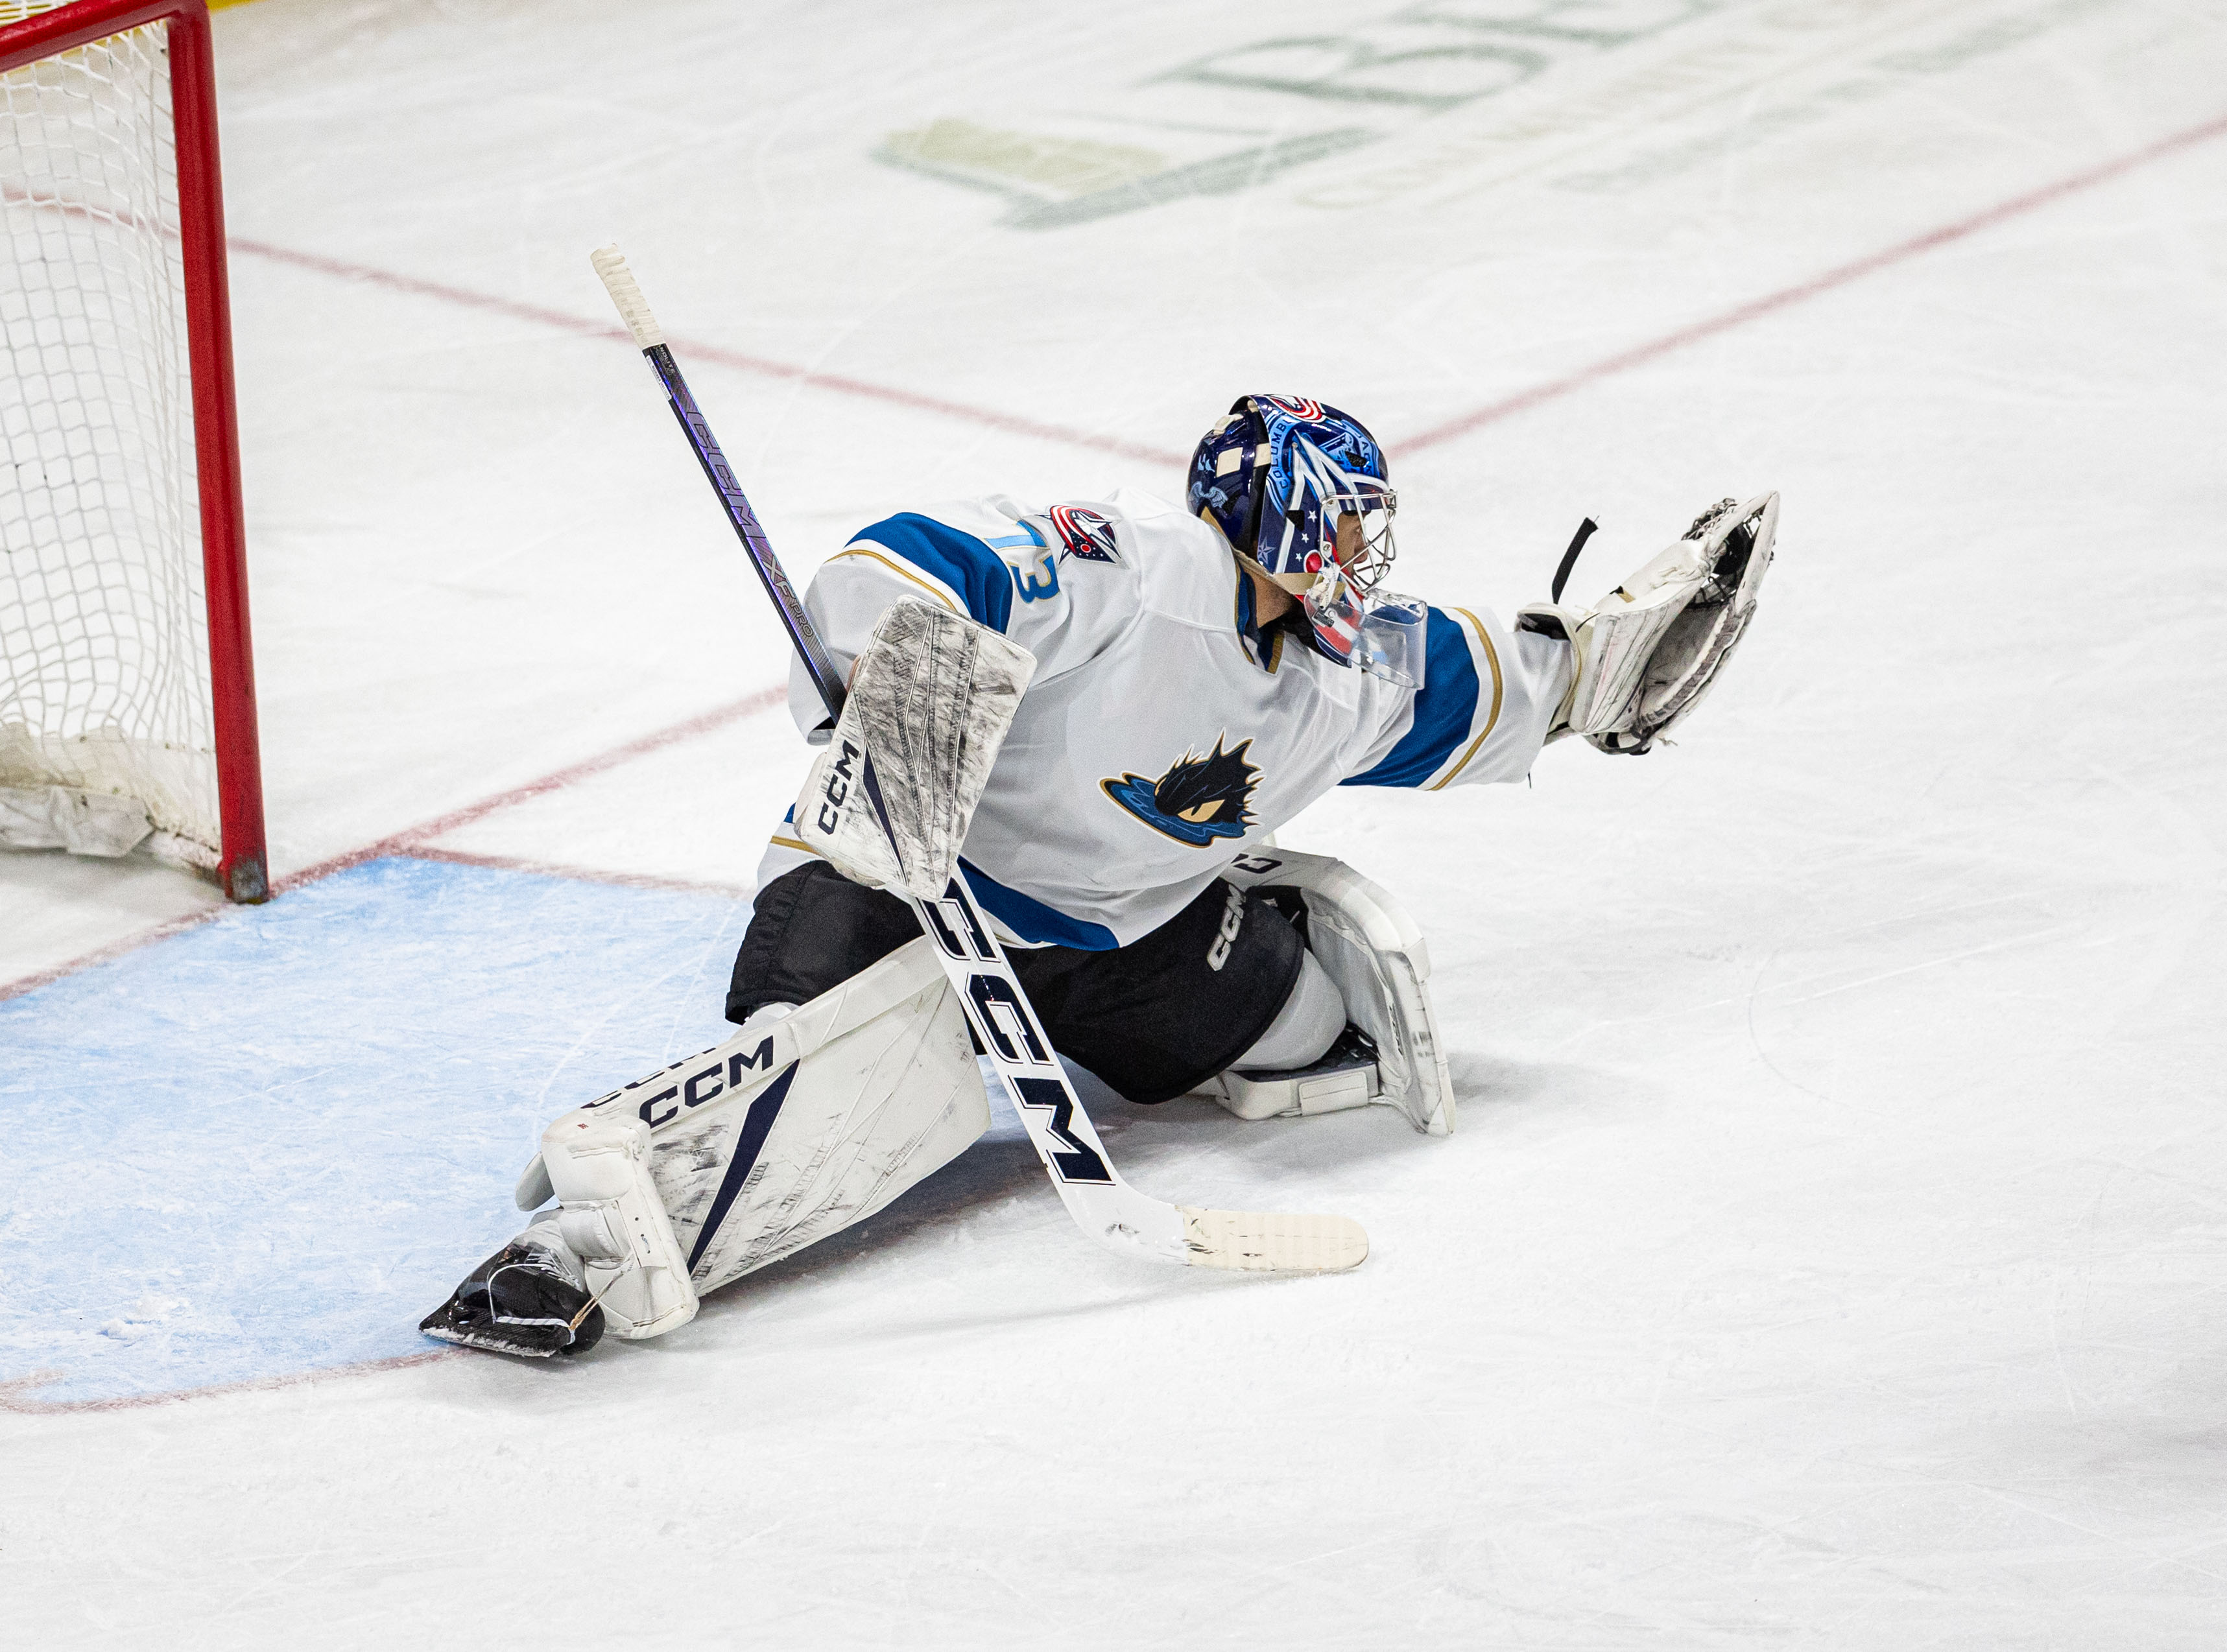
[
  {"x": 1482, "y": 713},
  {"x": 972, "y": 559}
]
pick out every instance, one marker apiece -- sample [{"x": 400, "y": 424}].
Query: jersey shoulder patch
[{"x": 1085, "y": 532}]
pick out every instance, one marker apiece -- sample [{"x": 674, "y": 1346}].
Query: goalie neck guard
[{"x": 1304, "y": 490}]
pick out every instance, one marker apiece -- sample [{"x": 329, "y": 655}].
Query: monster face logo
[
  {"x": 1085, "y": 533},
  {"x": 1198, "y": 799}
]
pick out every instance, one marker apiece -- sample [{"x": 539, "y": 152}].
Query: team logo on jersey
[
  {"x": 1084, "y": 532},
  {"x": 1198, "y": 799}
]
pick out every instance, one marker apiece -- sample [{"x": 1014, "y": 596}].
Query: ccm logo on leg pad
[{"x": 713, "y": 1080}]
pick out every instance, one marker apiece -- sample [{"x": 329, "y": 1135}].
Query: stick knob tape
[{"x": 633, "y": 310}]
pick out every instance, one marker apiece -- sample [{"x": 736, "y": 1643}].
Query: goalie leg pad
[
  {"x": 931, "y": 699},
  {"x": 875, "y": 1087},
  {"x": 1373, "y": 952},
  {"x": 807, "y": 1122}
]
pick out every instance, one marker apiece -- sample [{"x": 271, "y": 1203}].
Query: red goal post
[{"x": 198, "y": 749}]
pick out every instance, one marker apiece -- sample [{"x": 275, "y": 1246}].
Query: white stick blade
[
  {"x": 1272, "y": 1242},
  {"x": 633, "y": 309}
]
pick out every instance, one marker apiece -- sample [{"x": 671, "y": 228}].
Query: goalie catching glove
[
  {"x": 930, "y": 700},
  {"x": 1648, "y": 654}
]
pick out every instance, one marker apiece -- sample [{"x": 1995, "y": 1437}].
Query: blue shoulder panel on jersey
[
  {"x": 979, "y": 574},
  {"x": 1445, "y": 705},
  {"x": 1030, "y": 919}
]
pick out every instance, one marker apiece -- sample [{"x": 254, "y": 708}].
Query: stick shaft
[{"x": 794, "y": 617}]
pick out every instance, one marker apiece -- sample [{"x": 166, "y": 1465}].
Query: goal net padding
[{"x": 126, "y": 689}]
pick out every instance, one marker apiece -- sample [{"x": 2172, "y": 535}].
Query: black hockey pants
[{"x": 1152, "y": 1020}]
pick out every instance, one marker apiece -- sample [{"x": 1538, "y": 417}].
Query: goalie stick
[{"x": 1101, "y": 1204}]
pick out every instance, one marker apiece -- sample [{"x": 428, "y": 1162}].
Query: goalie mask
[{"x": 1303, "y": 489}]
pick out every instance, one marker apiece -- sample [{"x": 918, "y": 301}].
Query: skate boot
[{"x": 527, "y": 1299}]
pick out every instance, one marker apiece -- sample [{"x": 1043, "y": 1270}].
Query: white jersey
[{"x": 1163, "y": 730}]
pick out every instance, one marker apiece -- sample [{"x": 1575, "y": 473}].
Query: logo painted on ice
[
  {"x": 1198, "y": 799},
  {"x": 1085, "y": 533}
]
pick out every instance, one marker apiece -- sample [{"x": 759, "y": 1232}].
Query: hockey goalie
[{"x": 1101, "y": 712}]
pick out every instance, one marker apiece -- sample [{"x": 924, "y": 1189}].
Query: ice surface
[{"x": 1830, "y": 1253}]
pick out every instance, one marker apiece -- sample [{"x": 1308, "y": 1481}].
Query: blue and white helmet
[
  {"x": 1301, "y": 490},
  {"x": 1277, "y": 473}
]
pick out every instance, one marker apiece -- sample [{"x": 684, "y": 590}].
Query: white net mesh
[{"x": 104, "y": 640}]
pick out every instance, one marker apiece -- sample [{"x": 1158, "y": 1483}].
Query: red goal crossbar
[{"x": 242, "y": 868}]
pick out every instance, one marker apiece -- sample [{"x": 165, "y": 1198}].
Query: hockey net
[{"x": 119, "y": 532}]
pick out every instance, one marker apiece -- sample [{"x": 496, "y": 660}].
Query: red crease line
[
  {"x": 14, "y": 1396},
  {"x": 441, "y": 826},
  {"x": 1786, "y": 297},
  {"x": 411, "y": 840},
  {"x": 579, "y": 874},
  {"x": 115, "y": 949}
]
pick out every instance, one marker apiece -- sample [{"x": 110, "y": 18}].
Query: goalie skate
[{"x": 521, "y": 1300}]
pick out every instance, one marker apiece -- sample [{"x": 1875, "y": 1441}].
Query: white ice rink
[{"x": 1830, "y": 1252}]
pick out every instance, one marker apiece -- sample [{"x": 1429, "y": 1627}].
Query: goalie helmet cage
[{"x": 125, "y": 661}]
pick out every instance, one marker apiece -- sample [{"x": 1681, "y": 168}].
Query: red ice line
[
  {"x": 695, "y": 352},
  {"x": 581, "y": 874},
  {"x": 407, "y": 841},
  {"x": 1785, "y": 297},
  {"x": 414, "y": 839},
  {"x": 14, "y": 1396}
]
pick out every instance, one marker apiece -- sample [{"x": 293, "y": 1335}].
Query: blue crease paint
[{"x": 270, "y": 1144}]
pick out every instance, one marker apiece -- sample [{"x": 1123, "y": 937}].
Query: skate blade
[{"x": 479, "y": 1339}]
